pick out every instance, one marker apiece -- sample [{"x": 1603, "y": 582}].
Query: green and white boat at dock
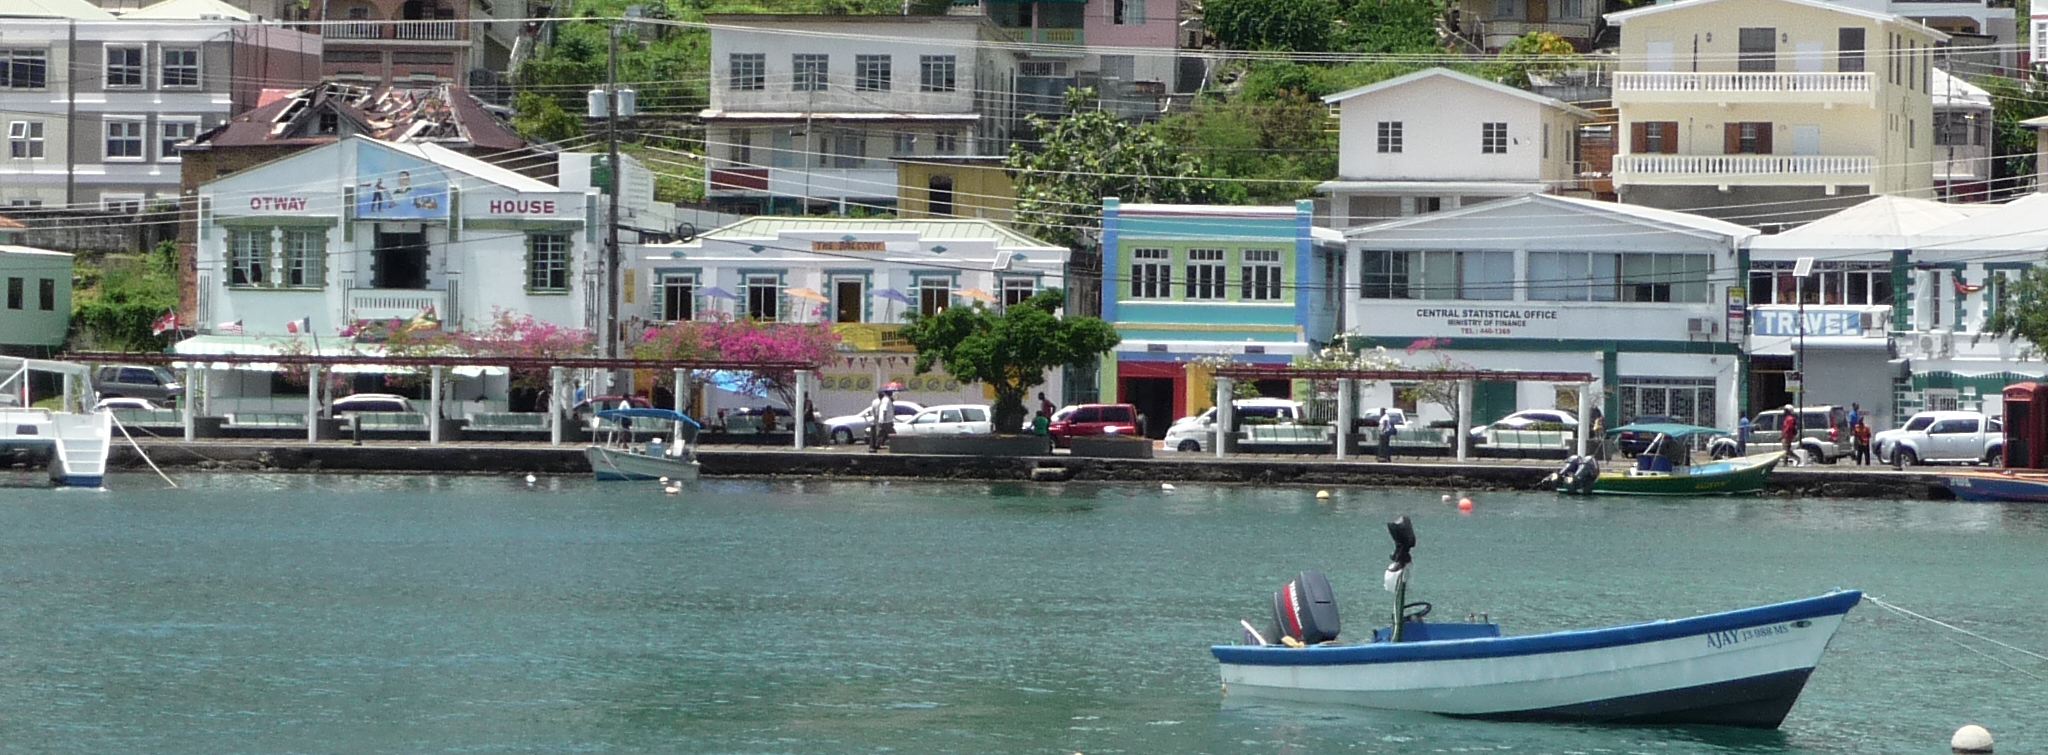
[{"x": 1665, "y": 468}]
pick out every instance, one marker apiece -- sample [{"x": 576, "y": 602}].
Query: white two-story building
[
  {"x": 1438, "y": 140},
  {"x": 359, "y": 231},
  {"x": 808, "y": 112},
  {"x": 95, "y": 107},
  {"x": 1634, "y": 295},
  {"x": 864, "y": 277},
  {"x": 1772, "y": 111}
]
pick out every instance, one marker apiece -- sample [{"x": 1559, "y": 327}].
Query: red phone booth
[{"x": 2026, "y": 426}]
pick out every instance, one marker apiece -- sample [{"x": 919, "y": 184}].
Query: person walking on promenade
[
  {"x": 1788, "y": 431},
  {"x": 881, "y": 419},
  {"x": 1743, "y": 428},
  {"x": 1386, "y": 434},
  {"x": 1855, "y": 416},
  {"x": 1045, "y": 406},
  {"x": 1861, "y": 432}
]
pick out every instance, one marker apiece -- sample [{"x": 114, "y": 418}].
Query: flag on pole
[
  {"x": 300, "y": 326},
  {"x": 164, "y": 324},
  {"x": 230, "y": 328}
]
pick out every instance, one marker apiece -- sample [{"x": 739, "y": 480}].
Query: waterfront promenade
[{"x": 1832, "y": 481}]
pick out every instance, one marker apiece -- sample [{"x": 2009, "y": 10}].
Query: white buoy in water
[
  {"x": 530, "y": 479},
  {"x": 1167, "y": 486},
  {"x": 673, "y": 489},
  {"x": 1447, "y": 498},
  {"x": 664, "y": 481},
  {"x": 1322, "y": 495},
  {"x": 1971, "y": 739}
]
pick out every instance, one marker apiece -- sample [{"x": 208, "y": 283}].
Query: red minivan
[{"x": 1092, "y": 419}]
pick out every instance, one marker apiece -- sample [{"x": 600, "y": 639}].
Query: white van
[{"x": 1193, "y": 434}]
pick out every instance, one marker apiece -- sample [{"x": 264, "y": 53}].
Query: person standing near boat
[
  {"x": 1386, "y": 449},
  {"x": 1788, "y": 431},
  {"x": 1743, "y": 428},
  {"x": 881, "y": 419}
]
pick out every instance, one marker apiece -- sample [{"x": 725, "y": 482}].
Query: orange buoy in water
[{"x": 1465, "y": 505}]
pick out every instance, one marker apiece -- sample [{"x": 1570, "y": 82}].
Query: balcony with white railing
[
  {"x": 1745, "y": 170},
  {"x": 401, "y": 303},
  {"x": 352, "y": 30},
  {"x": 1760, "y": 87},
  {"x": 428, "y": 31}
]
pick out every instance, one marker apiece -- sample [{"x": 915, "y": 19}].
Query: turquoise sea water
[{"x": 255, "y": 613}]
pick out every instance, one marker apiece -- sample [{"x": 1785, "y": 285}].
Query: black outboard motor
[{"x": 1306, "y": 609}]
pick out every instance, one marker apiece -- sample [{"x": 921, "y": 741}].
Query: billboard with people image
[{"x": 391, "y": 185}]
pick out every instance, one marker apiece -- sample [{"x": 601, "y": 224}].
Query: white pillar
[
  {"x": 1464, "y": 418},
  {"x": 556, "y": 384},
  {"x": 1222, "y": 412},
  {"x": 189, "y": 403},
  {"x": 1585, "y": 425},
  {"x": 434, "y": 405},
  {"x": 1343, "y": 418},
  {"x": 796, "y": 413},
  {"x": 312, "y": 403},
  {"x": 682, "y": 391}
]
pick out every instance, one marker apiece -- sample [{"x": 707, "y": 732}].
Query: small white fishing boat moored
[
  {"x": 1739, "y": 668},
  {"x": 619, "y": 458}
]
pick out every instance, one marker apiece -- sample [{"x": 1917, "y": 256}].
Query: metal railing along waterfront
[{"x": 1743, "y": 81}]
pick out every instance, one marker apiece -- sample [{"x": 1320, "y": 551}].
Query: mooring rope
[
  {"x": 138, "y": 451},
  {"x": 1902, "y": 611}
]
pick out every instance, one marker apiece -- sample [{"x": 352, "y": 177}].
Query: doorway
[
  {"x": 849, "y": 299},
  {"x": 399, "y": 261},
  {"x": 1154, "y": 398}
]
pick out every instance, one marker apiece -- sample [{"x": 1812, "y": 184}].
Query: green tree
[
  {"x": 2021, "y": 312},
  {"x": 542, "y": 118},
  {"x": 126, "y": 298},
  {"x": 1091, "y": 154},
  {"x": 1009, "y": 351},
  {"x": 1538, "y": 53},
  {"x": 1281, "y": 146},
  {"x": 2013, "y": 101},
  {"x": 1388, "y": 26},
  {"x": 1292, "y": 25}
]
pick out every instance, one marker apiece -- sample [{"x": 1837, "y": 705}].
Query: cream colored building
[{"x": 1772, "y": 111}]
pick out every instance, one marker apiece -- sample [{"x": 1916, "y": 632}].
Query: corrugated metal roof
[
  {"x": 767, "y": 227},
  {"x": 77, "y": 10},
  {"x": 189, "y": 10}
]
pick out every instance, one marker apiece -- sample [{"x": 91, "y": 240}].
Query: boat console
[{"x": 1305, "y": 609}]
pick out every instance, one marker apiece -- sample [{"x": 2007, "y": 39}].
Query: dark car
[
  {"x": 1631, "y": 443},
  {"x": 137, "y": 381}
]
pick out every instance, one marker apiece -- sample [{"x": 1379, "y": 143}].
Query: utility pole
[{"x": 611, "y": 243}]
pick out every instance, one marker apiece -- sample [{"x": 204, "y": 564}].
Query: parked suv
[
  {"x": 372, "y": 402},
  {"x": 136, "y": 381},
  {"x": 1948, "y": 436},
  {"x": 1824, "y": 433},
  {"x": 1198, "y": 432},
  {"x": 1092, "y": 419}
]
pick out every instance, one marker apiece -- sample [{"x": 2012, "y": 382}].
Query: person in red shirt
[
  {"x": 1861, "y": 432},
  {"x": 1789, "y": 432}
]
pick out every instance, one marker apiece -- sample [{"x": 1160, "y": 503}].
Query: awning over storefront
[{"x": 225, "y": 345}]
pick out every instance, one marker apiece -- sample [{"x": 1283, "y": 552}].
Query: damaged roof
[{"x": 439, "y": 114}]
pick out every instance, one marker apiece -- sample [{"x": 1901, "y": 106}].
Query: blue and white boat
[
  {"x": 1739, "y": 668},
  {"x": 1997, "y": 485},
  {"x": 621, "y": 457}
]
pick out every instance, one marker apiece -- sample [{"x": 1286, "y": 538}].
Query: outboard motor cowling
[{"x": 1306, "y": 609}]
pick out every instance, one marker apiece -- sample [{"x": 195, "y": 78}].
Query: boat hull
[
  {"x": 614, "y": 464},
  {"x": 1747, "y": 475},
  {"x": 1997, "y": 487},
  {"x": 1740, "y": 668}
]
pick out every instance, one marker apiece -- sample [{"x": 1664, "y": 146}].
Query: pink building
[{"x": 1143, "y": 67}]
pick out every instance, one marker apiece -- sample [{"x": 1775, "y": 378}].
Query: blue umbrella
[
  {"x": 719, "y": 293},
  {"x": 893, "y": 295}
]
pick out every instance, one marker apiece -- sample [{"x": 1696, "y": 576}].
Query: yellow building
[
  {"x": 1768, "y": 111},
  {"x": 958, "y": 187}
]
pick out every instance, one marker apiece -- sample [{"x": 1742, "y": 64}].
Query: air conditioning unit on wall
[
  {"x": 1702, "y": 326},
  {"x": 1937, "y": 345}
]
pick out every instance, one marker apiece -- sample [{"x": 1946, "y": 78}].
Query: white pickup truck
[{"x": 1944, "y": 436}]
